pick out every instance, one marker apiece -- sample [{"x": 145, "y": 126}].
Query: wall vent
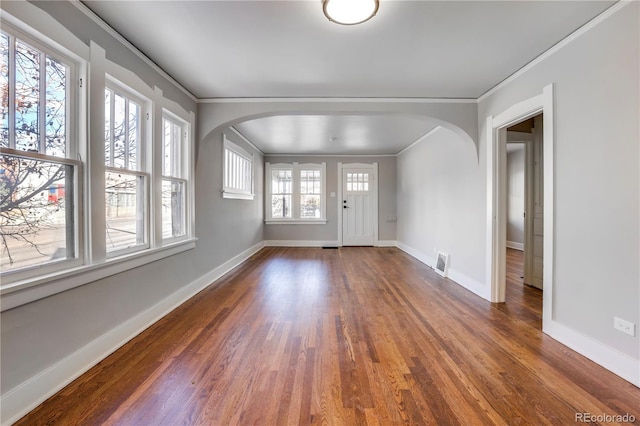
[{"x": 442, "y": 264}]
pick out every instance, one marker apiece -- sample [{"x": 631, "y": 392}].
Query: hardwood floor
[{"x": 342, "y": 337}]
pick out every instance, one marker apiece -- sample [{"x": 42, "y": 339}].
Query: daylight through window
[{"x": 38, "y": 178}]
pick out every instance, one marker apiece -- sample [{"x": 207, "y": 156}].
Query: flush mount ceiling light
[{"x": 350, "y": 12}]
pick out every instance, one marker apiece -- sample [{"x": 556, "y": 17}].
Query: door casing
[{"x": 496, "y": 196}]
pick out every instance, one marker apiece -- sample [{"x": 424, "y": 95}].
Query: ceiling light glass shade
[{"x": 350, "y": 12}]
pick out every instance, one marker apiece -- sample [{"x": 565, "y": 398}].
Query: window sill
[
  {"x": 237, "y": 196},
  {"x": 26, "y": 291},
  {"x": 295, "y": 222}
]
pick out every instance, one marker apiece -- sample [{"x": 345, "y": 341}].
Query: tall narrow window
[
  {"x": 238, "y": 172},
  {"x": 310, "y": 193},
  {"x": 38, "y": 178},
  {"x": 126, "y": 193},
  {"x": 174, "y": 183},
  {"x": 281, "y": 193}
]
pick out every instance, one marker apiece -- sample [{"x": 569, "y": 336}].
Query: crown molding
[
  {"x": 337, "y": 99},
  {"x": 333, "y": 155},
  {"x": 244, "y": 138},
  {"x": 540, "y": 58},
  {"x": 112, "y": 32},
  {"x": 558, "y": 46}
]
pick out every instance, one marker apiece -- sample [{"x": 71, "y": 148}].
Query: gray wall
[
  {"x": 441, "y": 202},
  {"x": 515, "y": 200},
  {"x": 597, "y": 190},
  {"x": 329, "y": 231}
]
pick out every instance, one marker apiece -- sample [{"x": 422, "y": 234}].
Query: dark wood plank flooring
[{"x": 342, "y": 337}]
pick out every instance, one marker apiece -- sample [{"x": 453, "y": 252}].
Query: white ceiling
[
  {"x": 288, "y": 49},
  {"x": 336, "y": 134}
]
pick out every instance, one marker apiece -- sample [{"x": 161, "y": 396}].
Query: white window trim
[
  {"x": 185, "y": 175},
  {"x": 73, "y": 105},
  {"x": 92, "y": 68},
  {"x": 230, "y": 192},
  {"x": 28, "y": 290},
  {"x": 143, "y": 167},
  {"x": 295, "y": 218}
]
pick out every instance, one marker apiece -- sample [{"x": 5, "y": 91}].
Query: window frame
[
  {"x": 235, "y": 192},
  {"x": 73, "y": 74},
  {"x": 183, "y": 171},
  {"x": 295, "y": 218},
  {"x": 91, "y": 73},
  {"x": 142, "y": 167}
]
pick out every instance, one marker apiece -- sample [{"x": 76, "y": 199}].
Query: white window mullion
[
  {"x": 112, "y": 127},
  {"x": 42, "y": 100},
  {"x": 295, "y": 189},
  {"x": 12, "y": 92},
  {"x": 126, "y": 134}
]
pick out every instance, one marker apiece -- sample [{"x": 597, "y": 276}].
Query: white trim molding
[
  {"x": 617, "y": 362},
  {"x": 18, "y": 401},
  {"x": 558, "y": 46},
  {"x": 330, "y": 100},
  {"x": 514, "y": 245},
  {"x": 454, "y": 275},
  {"x": 386, "y": 243},
  {"x": 300, "y": 243},
  {"x": 496, "y": 195}
]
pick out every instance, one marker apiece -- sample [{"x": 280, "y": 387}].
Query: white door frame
[
  {"x": 496, "y": 196},
  {"x": 373, "y": 167}
]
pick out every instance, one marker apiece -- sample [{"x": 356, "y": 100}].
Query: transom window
[
  {"x": 295, "y": 193},
  {"x": 39, "y": 176}
]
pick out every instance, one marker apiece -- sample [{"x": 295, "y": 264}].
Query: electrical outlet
[{"x": 624, "y": 326}]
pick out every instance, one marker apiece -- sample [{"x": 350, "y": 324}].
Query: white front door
[{"x": 357, "y": 208}]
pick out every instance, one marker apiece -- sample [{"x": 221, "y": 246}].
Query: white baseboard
[
  {"x": 454, "y": 275},
  {"x": 299, "y": 243},
  {"x": 618, "y": 363},
  {"x": 427, "y": 260},
  {"x": 28, "y": 395},
  {"x": 385, "y": 243},
  {"x": 470, "y": 284},
  {"x": 515, "y": 246}
]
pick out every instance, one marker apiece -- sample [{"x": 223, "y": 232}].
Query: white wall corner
[
  {"x": 617, "y": 362},
  {"x": 20, "y": 400}
]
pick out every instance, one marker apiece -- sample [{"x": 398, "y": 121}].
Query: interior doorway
[
  {"x": 541, "y": 230},
  {"x": 525, "y": 213},
  {"x": 525, "y": 196}
]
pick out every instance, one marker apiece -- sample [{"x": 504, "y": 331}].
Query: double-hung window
[
  {"x": 40, "y": 174},
  {"x": 68, "y": 214},
  {"x": 126, "y": 178},
  {"x": 238, "y": 172},
  {"x": 295, "y": 193},
  {"x": 174, "y": 182}
]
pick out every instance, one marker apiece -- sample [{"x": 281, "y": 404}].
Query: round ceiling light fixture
[{"x": 350, "y": 12}]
